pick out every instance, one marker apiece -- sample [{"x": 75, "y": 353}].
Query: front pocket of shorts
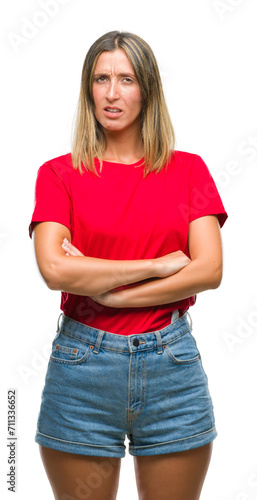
[
  {"x": 183, "y": 350},
  {"x": 68, "y": 350}
]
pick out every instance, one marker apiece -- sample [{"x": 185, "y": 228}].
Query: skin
[
  {"x": 171, "y": 476},
  {"x": 91, "y": 276},
  {"x": 115, "y": 85},
  {"x": 202, "y": 272}
]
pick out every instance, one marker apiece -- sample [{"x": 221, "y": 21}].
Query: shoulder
[
  {"x": 56, "y": 174},
  {"x": 190, "y": 163},
  {"x": 60, "y": 164},
  {"x": 57, "y": 169},
  {"x": 184, "y": 157},
  {"x": 182, "y": 162}
]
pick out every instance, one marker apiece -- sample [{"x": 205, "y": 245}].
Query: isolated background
[{"x": 206, "y": 51}]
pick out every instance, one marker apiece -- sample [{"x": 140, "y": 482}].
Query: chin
[{"x": 113, "y": 127}]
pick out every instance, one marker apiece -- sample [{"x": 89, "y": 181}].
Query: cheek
[
  {"x": 139, "y": 98},
  {"x": 96, "y": 95},
  {"x": 136, "y": 99}
]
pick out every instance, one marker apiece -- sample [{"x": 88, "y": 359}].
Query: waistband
[{"x": 126, "y": 343}]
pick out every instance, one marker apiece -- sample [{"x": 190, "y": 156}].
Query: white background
[{"x": 206, "y": 51}]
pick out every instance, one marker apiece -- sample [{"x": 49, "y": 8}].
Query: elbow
[
  {"x": 51, "y": 276},
  {"x": 216, "y": 277},
  {"x": 52, "y": 285}
]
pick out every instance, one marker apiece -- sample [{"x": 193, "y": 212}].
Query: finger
[
  {"x": 70, "y": 248},
  {"x": 68, "y": 251}
]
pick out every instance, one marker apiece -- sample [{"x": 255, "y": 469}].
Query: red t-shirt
[{"x": 124, "y": 216}]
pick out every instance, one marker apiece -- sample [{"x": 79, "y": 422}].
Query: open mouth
[{"x": 112, "y": 110}]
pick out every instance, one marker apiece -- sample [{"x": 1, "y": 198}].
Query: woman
[{"x": 129, "y": 230}]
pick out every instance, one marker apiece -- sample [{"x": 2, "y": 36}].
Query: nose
[{"x": 112, "y": 92}]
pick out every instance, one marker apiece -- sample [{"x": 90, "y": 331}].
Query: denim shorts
[{"x": 101, "y": 388}]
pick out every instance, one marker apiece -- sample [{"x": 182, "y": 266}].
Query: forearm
[
  {"x": 64, "y": 267},
  {"x": 89, "y": 276},
  {"x": 192, "y": 279}
]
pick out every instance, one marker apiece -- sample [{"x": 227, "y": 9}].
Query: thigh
[
  {"x": 81, "y": 477},
  {"x": 172, "y": 476}
]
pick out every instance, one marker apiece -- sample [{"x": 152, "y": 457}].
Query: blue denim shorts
[{"x": 101, "y": 388}]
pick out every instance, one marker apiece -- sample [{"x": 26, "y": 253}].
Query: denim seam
[
  {"x": 83, "y": 444},
  {"x": 131, "y": 414},
  {"x": 175, "y": 440},
  {"x": 126, "y": 351},
  {"x": 91, "y": 343},
  {"x": 178, "y": 336},
  {"x": 71, "y": 361},
  {"x": 107, "y": 348},
  {"x": 177, "y": 361},
  {"x": 63, "y": 348},
  {"x": 75, "y": 337}
]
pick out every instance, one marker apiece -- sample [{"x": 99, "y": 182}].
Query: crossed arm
[
  {"x": 156, "y": 281},
  {"x": 203, "y": 272}
]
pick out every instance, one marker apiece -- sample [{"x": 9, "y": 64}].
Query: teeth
[{"x": 113, "y": 110}]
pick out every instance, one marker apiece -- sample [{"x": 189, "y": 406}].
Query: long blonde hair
[{"x": 158, "y": 136}]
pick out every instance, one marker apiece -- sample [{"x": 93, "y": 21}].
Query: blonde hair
[{"x": 158, "y": 136}]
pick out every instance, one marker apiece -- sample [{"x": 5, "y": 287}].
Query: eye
[
  {"x": 100, "y": 79},
  {"x": 127, "y": 79}
]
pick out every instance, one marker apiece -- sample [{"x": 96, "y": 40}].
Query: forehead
[{"x": 110, "y": 61}]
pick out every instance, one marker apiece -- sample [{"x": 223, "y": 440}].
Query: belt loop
[
  {"x": 58, "y": 322},
  {"x": 190, "y": 321},
  {"x": 98, "y": 341},
  {"x": 159, "y": 342},
  {"x": 174, "y": 315}
]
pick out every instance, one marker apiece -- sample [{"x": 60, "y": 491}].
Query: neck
[{"x": 123, "y": 146}]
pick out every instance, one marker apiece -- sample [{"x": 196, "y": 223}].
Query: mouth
[{"x": 112, "y": 112}]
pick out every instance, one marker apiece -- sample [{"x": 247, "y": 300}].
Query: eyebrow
[{"x": 106, "y": 73}]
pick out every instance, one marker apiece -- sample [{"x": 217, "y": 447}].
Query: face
[{"x": 116, "y": 92}]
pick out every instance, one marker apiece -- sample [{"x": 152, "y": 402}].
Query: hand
[
  {"x": 110, "y": 298},
  {"x": 170, "y": 263},
  {"x": 70, "y": 250}
]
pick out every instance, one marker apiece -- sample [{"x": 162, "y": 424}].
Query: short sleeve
[
  {"x": 204, "y": 198},
  {"x": 52, "y": 198}
]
